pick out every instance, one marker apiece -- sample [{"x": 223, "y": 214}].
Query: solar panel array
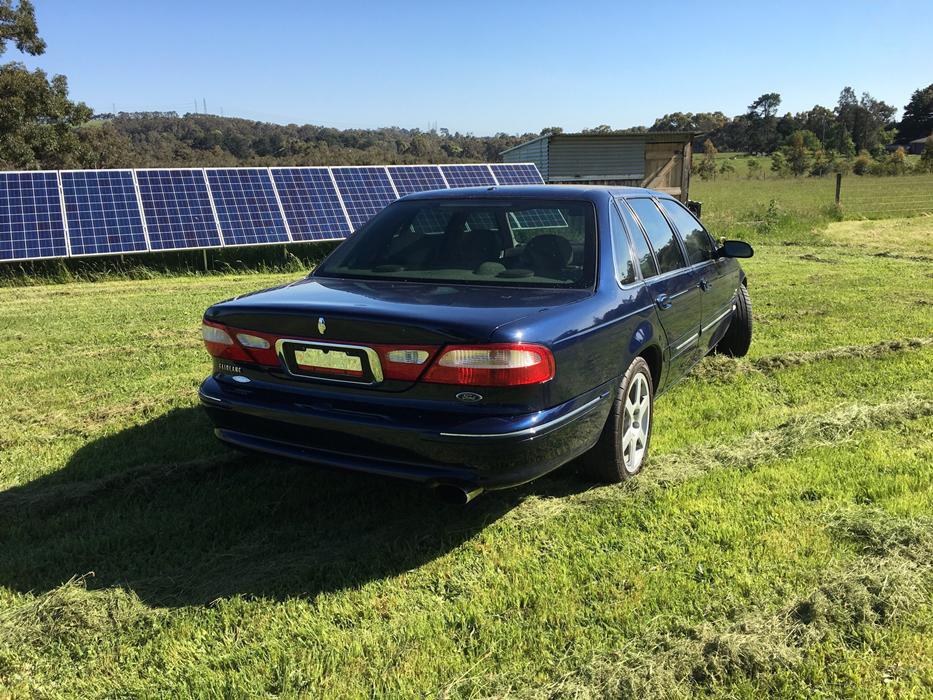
[{"x": 49, "y": 214}]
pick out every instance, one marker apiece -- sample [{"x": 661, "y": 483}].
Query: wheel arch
[{"x": 652, "y": 355}]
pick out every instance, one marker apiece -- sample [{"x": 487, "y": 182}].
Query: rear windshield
[{"x": 527, "y": 242}]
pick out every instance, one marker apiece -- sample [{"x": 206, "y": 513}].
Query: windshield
[{"x": 521, "y": 242}]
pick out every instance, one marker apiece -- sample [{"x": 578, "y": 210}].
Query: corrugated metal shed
[{"x": 650, "y": 159}]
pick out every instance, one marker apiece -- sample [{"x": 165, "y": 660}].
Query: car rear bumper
[{"x": 487, "y": 451}]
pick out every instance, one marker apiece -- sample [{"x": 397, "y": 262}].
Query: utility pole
[
  {"x": 195, "y": 105},
  {"x": 204, "y": 102}
]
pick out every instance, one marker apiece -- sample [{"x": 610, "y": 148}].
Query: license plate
[{"x": 329, "y": 361}]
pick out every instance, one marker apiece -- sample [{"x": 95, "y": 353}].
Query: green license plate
[{"x": 332, "y": 361}]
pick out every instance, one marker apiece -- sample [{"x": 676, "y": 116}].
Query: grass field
[
  {"x": 779, "y": 542},
  {"x": 790, "y": 209}
]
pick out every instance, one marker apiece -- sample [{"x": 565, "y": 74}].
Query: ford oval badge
[
  {"x": 321, "y": 326},
  {"x": 469, "y": 396}
]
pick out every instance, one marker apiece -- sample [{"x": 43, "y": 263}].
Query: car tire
[
  {"x": 738, "y": 338},
  {"x": 622, "y": 448}
]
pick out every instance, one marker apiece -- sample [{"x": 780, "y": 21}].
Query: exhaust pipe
[{"x": 456, "y": 495}]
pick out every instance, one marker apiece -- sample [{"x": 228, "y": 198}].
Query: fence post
[{"x": 838, "y": 187}]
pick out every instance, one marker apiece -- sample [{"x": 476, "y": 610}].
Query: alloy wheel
[{"x": 636, "y": 423}]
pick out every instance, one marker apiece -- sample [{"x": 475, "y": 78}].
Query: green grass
[
  {"x": 780, "y": 541},
  {"x": 776, "y": 210}
]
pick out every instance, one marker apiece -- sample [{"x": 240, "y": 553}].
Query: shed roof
[{"x": 648, "y": 136}]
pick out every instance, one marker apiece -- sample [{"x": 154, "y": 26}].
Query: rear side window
[
  {"x": 696, "y": 240},
  {"x": 625, "y": 266},
  {"x": 666, "y": 248},
  {"x": 642, "y": 251}
]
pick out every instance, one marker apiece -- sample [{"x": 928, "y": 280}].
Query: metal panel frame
[
  {"x": 61, "y": 185},
  {"x": 61, "y": 203},
  {"x": 210, "y": 199},
  {"x": 242, "y": 245},
  {"x": 330, "y": 174}
]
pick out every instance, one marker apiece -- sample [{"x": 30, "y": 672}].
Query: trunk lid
[{"x": 341, "y": 310}]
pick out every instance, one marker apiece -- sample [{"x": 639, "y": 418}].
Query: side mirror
[{"x": 735, "y": 249}]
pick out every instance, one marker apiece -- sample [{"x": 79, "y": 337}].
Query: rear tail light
[
  {"x": 503, "y": 364},
  {"x": 248, "y": 340},
  {"x": 404, "y": 363},
  {"x": 248, "y": 347}
]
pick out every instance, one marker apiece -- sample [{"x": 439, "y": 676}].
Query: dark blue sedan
[{"x": 475, "y": 339}]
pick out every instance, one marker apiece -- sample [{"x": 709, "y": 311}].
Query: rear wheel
[
  {"x": 738, "y": 337},
  {"x": 623, "y": 446}
]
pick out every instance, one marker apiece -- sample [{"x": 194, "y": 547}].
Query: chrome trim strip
[
  {"x": 688, "y": 341},
  {"x": 202, "y": 395},
  {"x": 374, "y": 365},
  {"x": 535, "y": 429},
  {"x": 719, "y": 318}
]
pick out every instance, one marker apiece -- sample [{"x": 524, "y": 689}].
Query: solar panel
[
  {"x": 365, "y": 192},
  {"x": 311, "y": 204},
  {"x": 178, "y": 209},
  {"x": 246, "y": 206},
  {"x": 416, "y": 178},
  {"x": 467, "y": 175},
  {"x": 31, "y": 224},
  {"x": 97, "y": 212},
  {"x": 517, "y": 174},
  {"x": 103, "y": 214},
  {"x": 539, "y": 218}
]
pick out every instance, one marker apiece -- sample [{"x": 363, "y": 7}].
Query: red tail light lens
[
  {"x": 404, "y": 363},
  {"x": 502, "y": 364},
  {"x": 240, "y": 346}
]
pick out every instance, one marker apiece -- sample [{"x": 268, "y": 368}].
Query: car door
[
  {"x": 675, "y": 289},
  {"x": 718, "y": 277}
]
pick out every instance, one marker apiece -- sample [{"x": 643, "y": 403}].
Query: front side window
[
  {"x": 697, "y": 241},
  {"x": 642, "y": 250},
  {"x": 625, "y": 266},
  {"x": 666, "y": 247},
  {"x": 516, "y": 242}
]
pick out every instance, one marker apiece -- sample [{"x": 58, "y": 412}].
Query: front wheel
[{"x": 623, "y": 446}]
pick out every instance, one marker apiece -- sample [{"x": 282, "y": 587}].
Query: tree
[
  {"x": 754, "y": 169},
  {"x": 18, "y": 24},
  {"x": 862, "y": 164},
  {"x": 867, "y": 120},
  {"x": 917, "y": 122},
  {"x": 926, "y": 158},
  {"x": 762, "y": 123},
  {"x": 766, "y": 105},
  {"x": 551, "y": 130},
  {"x": 797, "y": 153},
  {"x": 707, "y": 168},
  {"x": 779, "y": 164},
  {"x": 37, "y": 120},
  {"x": 895, "y": 163}
]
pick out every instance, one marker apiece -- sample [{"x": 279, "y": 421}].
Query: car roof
[{"x": 591, "y": 192}]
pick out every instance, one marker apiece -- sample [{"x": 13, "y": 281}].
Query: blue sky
[{"x": 479, "y": 66}]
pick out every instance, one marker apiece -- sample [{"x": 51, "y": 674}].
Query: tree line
[{"x": 41, "y": 127}]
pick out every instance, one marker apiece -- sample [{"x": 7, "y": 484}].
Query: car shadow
[{"x": 165, "y": 510}]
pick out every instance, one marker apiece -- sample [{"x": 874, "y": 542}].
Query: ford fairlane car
[{"x": 478, "y": 338}]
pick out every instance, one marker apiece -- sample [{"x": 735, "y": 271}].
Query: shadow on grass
[{"x": 167, "y": 511}]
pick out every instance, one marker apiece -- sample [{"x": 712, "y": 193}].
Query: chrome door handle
[{"x": 664, "y": 301}]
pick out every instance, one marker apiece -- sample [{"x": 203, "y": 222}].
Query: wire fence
[{"x": 880, "y": 196}]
